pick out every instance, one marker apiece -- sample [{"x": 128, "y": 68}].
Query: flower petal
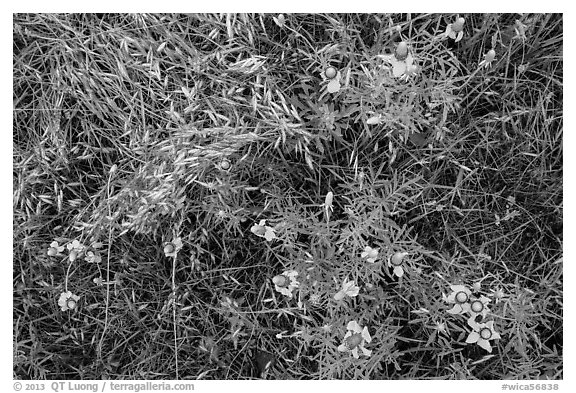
[
  {"x": 458, "y": 38},
  {"x": 409, "y": 61},
  {"x": 398, "y": 68},
  {"x": 473, "y": 337},
  {"x": 458, "y": 288},
  {"x": 485, "y": 344},
  {"x": 366, "y": 335},
  {"x": 355, "y": 352},
  {"x": 343, "y": 348},
  {"x": 399, "y": 271},
  {"x": 352, "y": 290},
  {"x": 365, "y": 351},
  {"x": 269, "y": 234},
  {"x": 456, "y": 309},
  {"x": 334, "y": 86},
  {"x": 353, "y": 326},
  {"x": 473, "y": 324},
  {"x": 339, "y": 295}
]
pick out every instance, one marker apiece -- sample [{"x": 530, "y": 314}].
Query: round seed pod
[
  {"x": 477, "y": 306},
  {"x": 330, "y": 72},
  {"x": 485, "y": 333},
  {"x": 71, "y": 304},
  {"x": 169, "y": 248},
  {"x": 461, "y": 297},
  {"x": 353, "y": 341}
]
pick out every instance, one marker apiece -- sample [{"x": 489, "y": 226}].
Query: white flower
[
  {"x": 286, "y": 282},
  {"x": 370, "y": 254},
  {"x": 55, "y": 249},
  {"x": 349, "y": 288},
  {"x": 262, "y": 230},
  {"x": 459, "y": 297},
  {"x": 75, "y": 248},
  {"x": 482, "y": 334},
  {"x": 355, "y": 338},
  {"x": 455, "y": 30},
  {"x": 68, "y": 301},
  {"x": 280, "y": 20},
  {"x": 171, "y": 248},
  {"x": 333, "y": 77},
  {"x": 402, "y": 62},
  {"x": 488, "y": 59},
  {"x": 396, "y": 262},
  {"x": 479, "y": 307}
]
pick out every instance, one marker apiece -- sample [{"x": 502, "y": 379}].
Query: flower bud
[
  {"x": 397, "y": 258},
  {"x": 458, "y": 26},
  {"x": 402, "y": 50},
  {"x": 280, "y": 280},
  {"x": 169, "y": 248},
  {"x": 52, "y": 251},
  {"x": 489, "y": 57}
]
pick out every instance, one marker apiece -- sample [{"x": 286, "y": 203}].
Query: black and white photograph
[{"x": 287, "y": 196}]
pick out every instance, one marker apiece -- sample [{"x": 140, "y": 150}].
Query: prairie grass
[{"x": 133, "y": 130}]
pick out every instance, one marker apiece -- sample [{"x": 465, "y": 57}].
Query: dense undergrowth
[{"x": 383, "y": 186}]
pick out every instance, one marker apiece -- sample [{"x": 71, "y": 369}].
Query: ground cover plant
[{"x": 293, "y": 196}]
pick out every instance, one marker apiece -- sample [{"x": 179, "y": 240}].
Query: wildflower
[
  {"x": 355, "y": 338},
  {"x": 520, "y": 30},
  {"x": 482, "y": 334},
  {"x": 98, "y": 281},
  {"x": 328, "y": 203},
  {"x": 455, "y": 30},
  {"x": 476, "y": 286},
  {"x": 91, "y": 253},
  {"x": 68, "y": 301},
  {"x": 411, "y": 71},
  {"x": 315, "y": 299},
  {"x": 286, "y": 282},
  {"x": 75, "y": 248},
  {"x": 459, "y": 296},
  {"x": 349, "y": 288},
  {"x": 370, "y": 254},
  {"x": 402, "y": 61},
  {"x": 479, "y": 307},
  {"x": 440, "y": 327},
  {"x": 396, "y": 262},
  {"x": 171, "y": 248},
  {"x": 55, "y": 249},
  {"x": 498, "y": 295},
  {"x": 262, "y": 230},
  {"x": 488, "y": 59},
  {"x": 333, "y": 76},
  {"x": 75, "y": 245},
  {"x": 280, "y": 20}
]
